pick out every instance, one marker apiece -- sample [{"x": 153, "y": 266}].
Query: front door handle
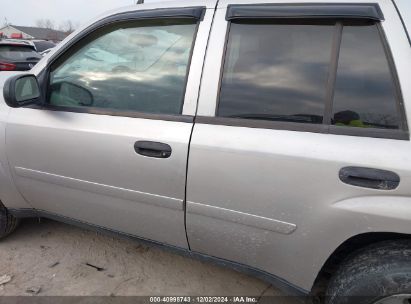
[
  {"x": 152, "y": 149},
  {"x": 369, "y": 178}
]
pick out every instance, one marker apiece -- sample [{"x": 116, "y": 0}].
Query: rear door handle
[
  {"x": 369, "y": 178},
  {"x": 152, "y": 149}
]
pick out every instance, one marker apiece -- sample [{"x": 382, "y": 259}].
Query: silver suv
[{"x": 268, "y": 135}]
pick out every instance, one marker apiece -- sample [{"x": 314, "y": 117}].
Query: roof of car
[{"x": 153, "y": 4}]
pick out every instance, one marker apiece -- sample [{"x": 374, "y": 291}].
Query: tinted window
[
  {"x": 133, "y": 67},
  {"x": 276, "y": 72},
  {"x": 41, "y": 46},
  {"x": 18, "y": 53},
  {"x": 364, "y": 93}
]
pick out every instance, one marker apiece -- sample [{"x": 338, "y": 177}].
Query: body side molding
[
  {"x": 241, "y": 218},
  {"x": 117, "y": 192}
]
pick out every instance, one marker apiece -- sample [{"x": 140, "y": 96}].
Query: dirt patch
[{"x": 55, "y": 259}]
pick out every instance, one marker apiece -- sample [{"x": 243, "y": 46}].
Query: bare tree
[
  {"x": 45, "y": 23},
  {"x": 67, "y": 26},
  {"x": 5, "y": 22}
]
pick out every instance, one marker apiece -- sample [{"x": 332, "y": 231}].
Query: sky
[
  {"x": 26, "y": 12},
  {"x": 405, "y": 6}
]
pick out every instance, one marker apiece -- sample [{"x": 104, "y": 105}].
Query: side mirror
[{"x": 21, "y": 90}]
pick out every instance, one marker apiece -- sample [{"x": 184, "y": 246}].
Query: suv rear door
[
  {"x": 109, "y": 147},
  {"x": 296, "y": 121}
]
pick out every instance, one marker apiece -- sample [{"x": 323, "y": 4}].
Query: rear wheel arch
[{"x": 346, "y": 250}]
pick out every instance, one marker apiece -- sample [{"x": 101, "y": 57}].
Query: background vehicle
[
  {"x": 43, "y": 45},
  {"x": 271, "y": 136},
  {"x": 17, "y": 55},
  {"x": 44, "y": 53}
]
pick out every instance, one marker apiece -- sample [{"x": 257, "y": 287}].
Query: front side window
[
  {"x": 317, "y": 72},
  {"x": 140, "y": 66}
]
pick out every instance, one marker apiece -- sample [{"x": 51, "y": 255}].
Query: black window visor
[{"x": 340, "y": 11}]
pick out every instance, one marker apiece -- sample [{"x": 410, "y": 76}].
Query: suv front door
[{"x": 109, "y": 146}]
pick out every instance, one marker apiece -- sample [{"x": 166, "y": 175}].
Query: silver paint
[
  {"x": 248, "y": 189},
  {"x": 126, "y": 194},
  {"x": 241, "y": 218},
  {"x": 291, "y": 176}
]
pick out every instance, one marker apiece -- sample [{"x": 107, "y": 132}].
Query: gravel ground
[{"x": 49, "y": 258}]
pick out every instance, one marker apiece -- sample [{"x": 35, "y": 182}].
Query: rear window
[
  {"x": 41, "y": 46},
  {"x": 18, "y": 53}
]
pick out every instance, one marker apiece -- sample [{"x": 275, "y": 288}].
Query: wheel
[
  {"x": 377, "y": 274},
  {"x": 8, "y": 223}
]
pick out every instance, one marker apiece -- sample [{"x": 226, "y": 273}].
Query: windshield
[{"x": 18, "y": 53}]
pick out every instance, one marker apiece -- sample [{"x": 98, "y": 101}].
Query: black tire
[
  {"x": 373, "y": 273},
  {"x": 8, "y": 223}
]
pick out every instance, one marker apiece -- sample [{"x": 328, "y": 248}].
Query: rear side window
[
  {"x": 364, "y": 93},
  {"x": 18, "y": 53},
  {"x": 276, "y": 72},
  {"x": 326, "y": 72}
]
